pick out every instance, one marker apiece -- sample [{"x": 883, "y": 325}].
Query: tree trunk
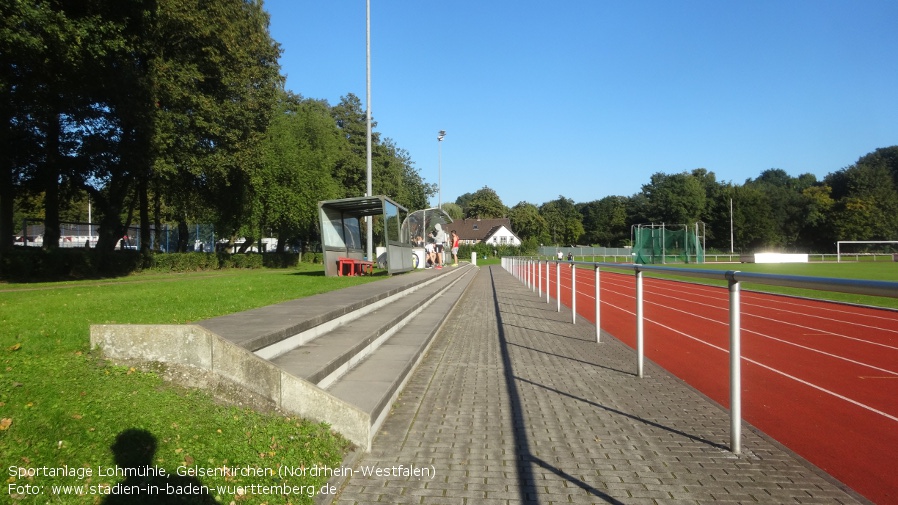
[
  {"x": 157, "y": 220},
  {"x": 144, "y": 210},
  {"x": 7, "y": 188},
  {"x": 50, "y": 182},
  {"x": 183, "y": 235},
  {"x": 246, "y": 245}
]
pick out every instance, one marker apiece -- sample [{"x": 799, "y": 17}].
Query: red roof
[{"x": 477, "y": 229}]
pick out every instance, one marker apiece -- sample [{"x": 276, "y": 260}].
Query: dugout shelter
[
  {"x": 341, "y": 232},
  {"x": 419, "y": 225}
]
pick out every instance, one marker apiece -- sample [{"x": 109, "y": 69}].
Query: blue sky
[{"x": 588, "y": 98}]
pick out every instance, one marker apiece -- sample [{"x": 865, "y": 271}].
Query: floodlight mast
[
  {"x": 369, "y": 191},
  {"x": 440, "y": 135}
]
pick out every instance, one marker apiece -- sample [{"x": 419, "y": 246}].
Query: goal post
[{"x": 891, "y": 251}]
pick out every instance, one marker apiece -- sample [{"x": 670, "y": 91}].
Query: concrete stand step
[
  {"x": 340, "y": 357},
  {"x": 322, "y": 360},
  {"x": 374, "y": 384}
]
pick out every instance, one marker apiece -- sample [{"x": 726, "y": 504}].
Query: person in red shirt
[{"x": 454, "y": 248}]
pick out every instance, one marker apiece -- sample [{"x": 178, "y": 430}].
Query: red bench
[{"x": 354, "y": 266}]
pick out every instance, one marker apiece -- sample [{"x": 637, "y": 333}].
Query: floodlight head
[{"x": 441, "y": 135}]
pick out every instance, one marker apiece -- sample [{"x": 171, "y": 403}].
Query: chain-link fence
[
  {"x": 195, "y": 237},
  {"x": 604, "y": 254}
]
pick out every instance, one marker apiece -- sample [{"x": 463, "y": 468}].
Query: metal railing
[{"x": 530, "y": 272}]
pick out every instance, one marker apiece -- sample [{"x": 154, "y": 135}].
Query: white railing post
[
  {"x": 530, "y": 276},
  {"x": 573, "y": 293},
  {"x": 539, "y": 277},
  {"x": 530, "y": 279},
  {"x": 735, "y": 366},
  {"x": 598, "y": 310},
  {"x": 558, "y": 283},
  {"x": 548, "y": 287},
  {"x": 639, "y": 325}
]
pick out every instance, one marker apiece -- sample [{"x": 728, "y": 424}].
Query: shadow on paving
[{"x": 526, "y": 460}]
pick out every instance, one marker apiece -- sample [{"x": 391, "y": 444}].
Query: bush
[
  {"x": 183, "y": 262},
  {"x": 313, "y": 257},
  {"x": 280, "y": 260},
  {"x": 489, "y": 250},
  {"x": 32, "y": 264}
]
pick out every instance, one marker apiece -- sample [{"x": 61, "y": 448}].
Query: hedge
[{"x": 32, "y": 264}]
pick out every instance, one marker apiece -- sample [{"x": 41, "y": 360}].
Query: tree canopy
[
  {"x": 774, "y": 210},
  {"x": 173, "y": 112},
  {"x": 164, "y": 111}
]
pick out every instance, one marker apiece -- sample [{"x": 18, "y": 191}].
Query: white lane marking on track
[
  {"x": 774, "y": 370},
  {"x": 764, "y": 335},
  {"x": 787, "y": 303},
  {"x": 823, "y": 331}
]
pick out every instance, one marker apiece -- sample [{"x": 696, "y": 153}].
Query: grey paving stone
[{"x": 514, "y": 404}]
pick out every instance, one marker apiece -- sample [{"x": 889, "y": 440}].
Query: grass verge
[{"x": 63, "y": 407}]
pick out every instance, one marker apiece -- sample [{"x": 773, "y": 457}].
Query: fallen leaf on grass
[{"x": 5, "y": 423}]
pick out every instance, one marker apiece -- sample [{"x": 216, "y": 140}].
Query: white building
[{"x": 488, "y": 231}]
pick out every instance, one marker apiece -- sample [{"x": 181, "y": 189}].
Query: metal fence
[
  {"x": 532, "y": 271},
  {"x": 199, "y": 237},
  {"x": 613, "y": 255}
]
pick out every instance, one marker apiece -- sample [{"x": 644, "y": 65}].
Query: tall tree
[
  {"x": 46, "y": 100},
  {"x": 351, "y": 169},
  {"x": 527, "y": 223},
  {"x": 563, "y": 220},
  {"x": 21, "y": 47},
  {"x": 454, "y": 210},
  {"x": 866, "y": 198},
  {"x": 395, "y": 175},
  {"x": 117, "y": 95},
  {"x": 215, "y": 80},
  {"x": 463, "y": 200},
  {"x": 816, "y": 231},
  {"x": 302, "y": 144},
  {"x": 677, "y": 198},
  {"x": 485, "y": 204},
  {"x": 605, "y": 221},
  {"x": 753, "y": 226},
  {"x": 784, "y": 203}
]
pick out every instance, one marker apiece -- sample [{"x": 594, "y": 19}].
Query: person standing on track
[{"x": 454, "y": 237}]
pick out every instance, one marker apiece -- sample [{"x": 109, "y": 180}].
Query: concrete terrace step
[
  {"x": 260, "y": 330},
  {"x": 321, "y": 360},
  {"x": 340, "y": 357},
  {"x": 375, "y": 383}
]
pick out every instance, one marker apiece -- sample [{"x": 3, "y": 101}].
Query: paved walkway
[{"x": 514, "y": 404}]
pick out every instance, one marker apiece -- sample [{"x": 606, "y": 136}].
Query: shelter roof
[{"x": 361, "y": 206}]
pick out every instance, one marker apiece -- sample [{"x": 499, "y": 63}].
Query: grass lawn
[{"x": 63, "y": 406}]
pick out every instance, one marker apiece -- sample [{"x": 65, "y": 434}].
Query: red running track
[{"x": 819, "y": 377}]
